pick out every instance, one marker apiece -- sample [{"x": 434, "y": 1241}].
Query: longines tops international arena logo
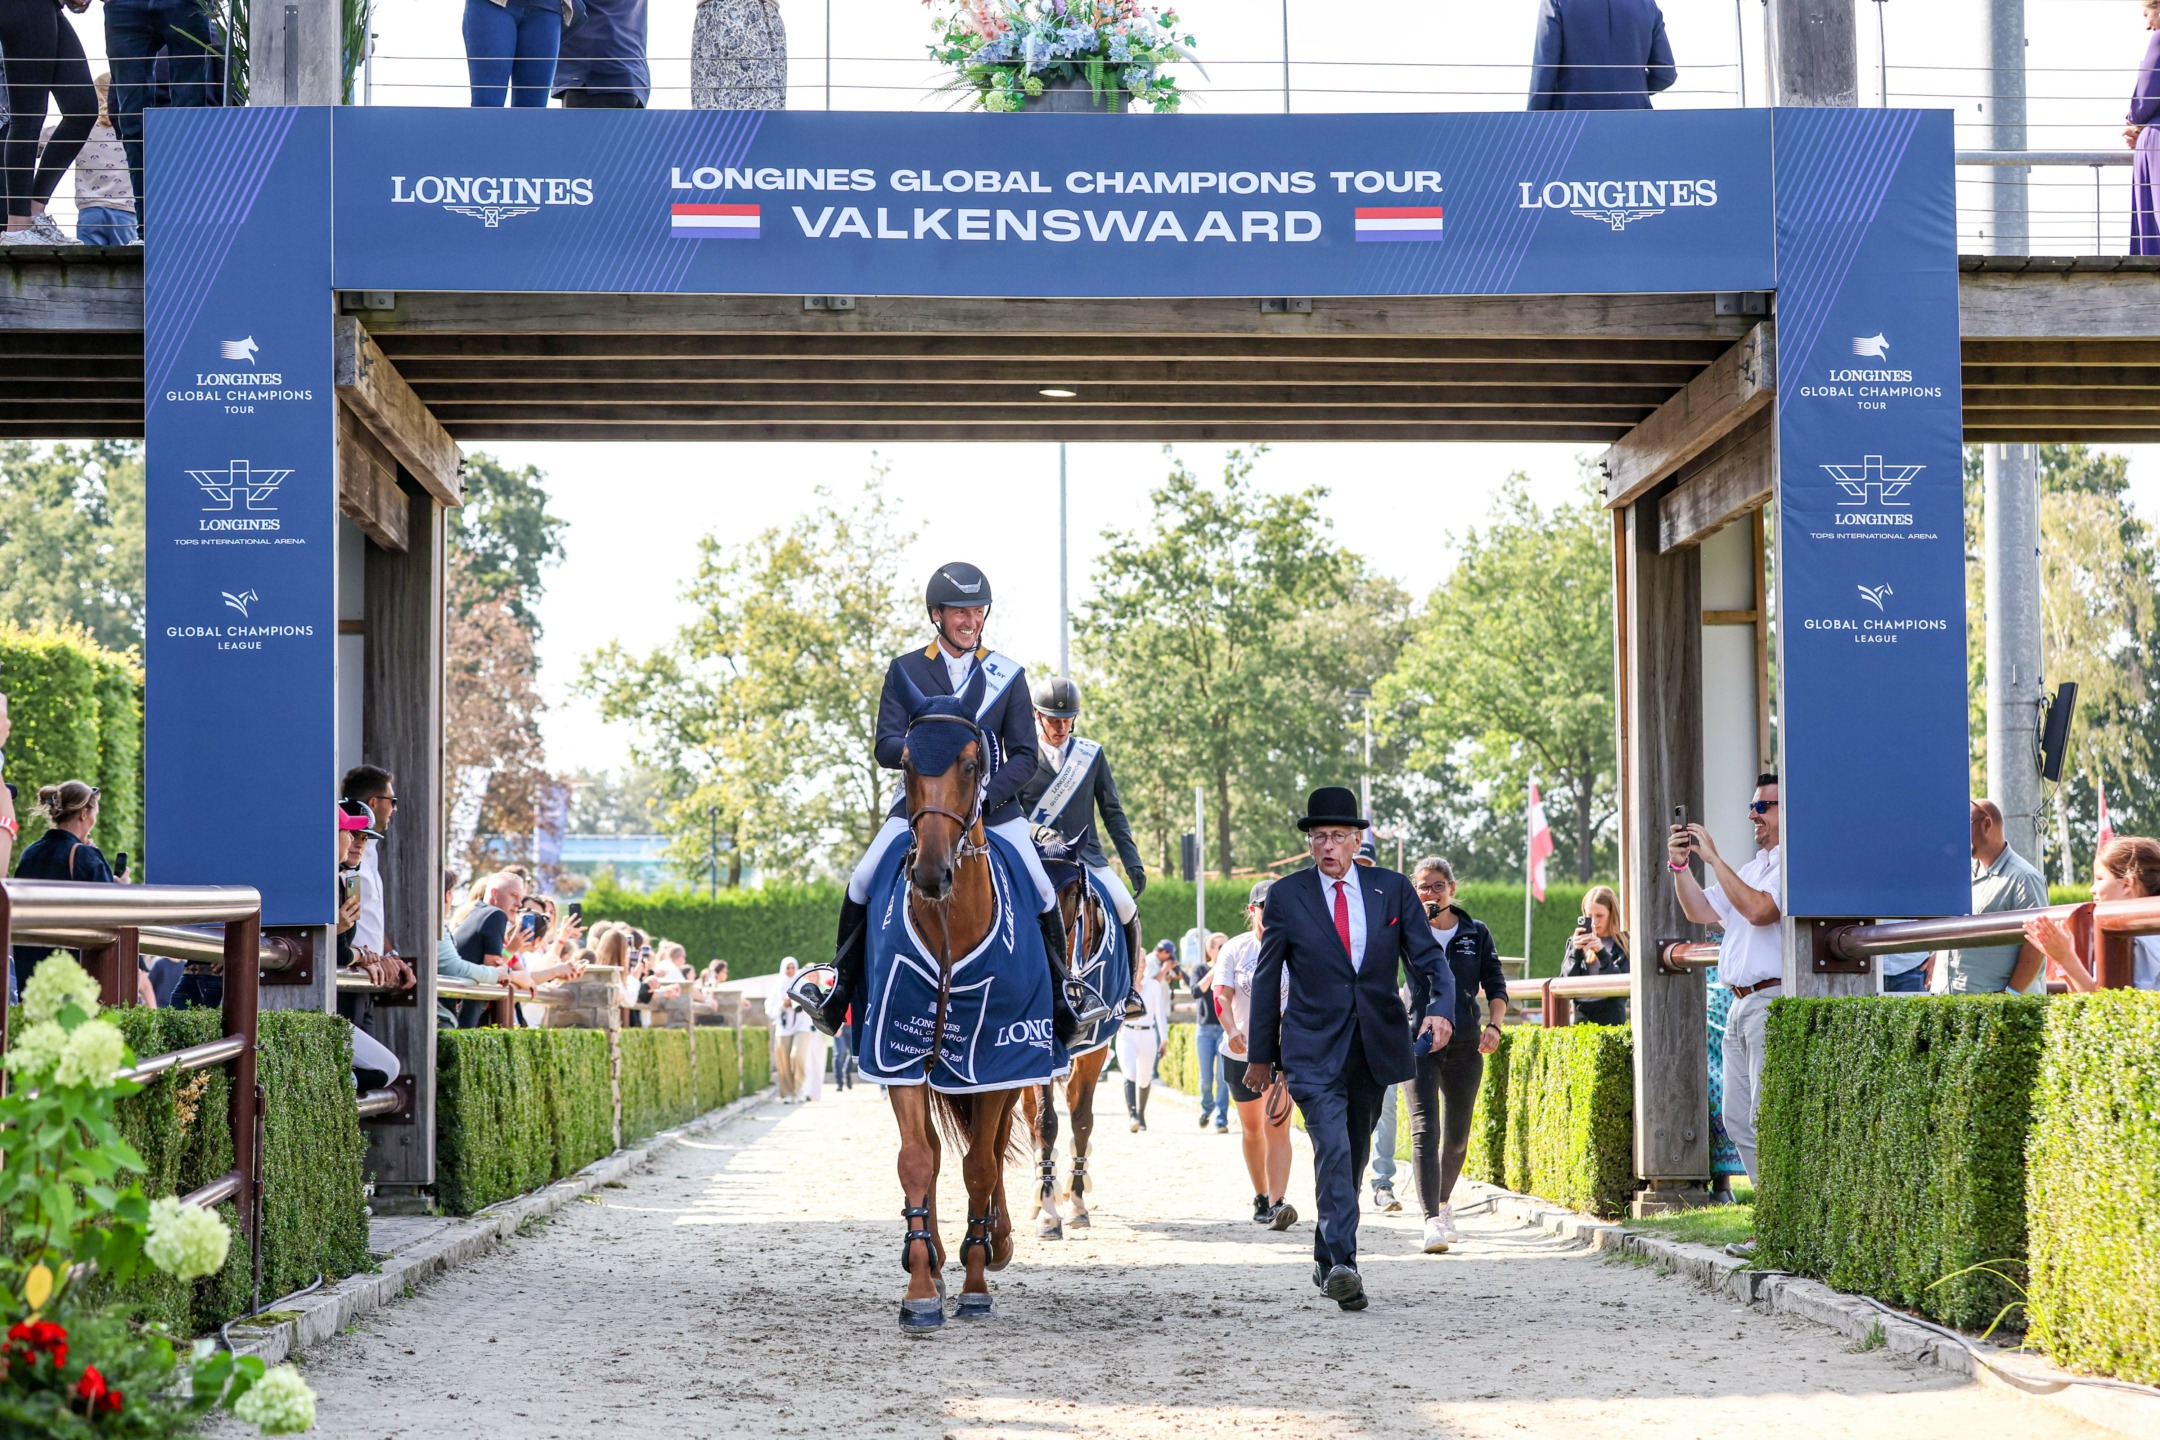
[{"x": 491, "y": 199}]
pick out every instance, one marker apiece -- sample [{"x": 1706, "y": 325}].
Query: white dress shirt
[
  {"x": 1055, "y": 754},
  {"x": 1750, "y": 954},
  {"x": 1355, "y": 902},
  {"x": 368, "y": 929},
  {"x": 957, "y": 667}
]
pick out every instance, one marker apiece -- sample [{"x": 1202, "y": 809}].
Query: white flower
[
  {"x": 280, "y": 1403},
  {"x": 186, "y": 1241},
  {"x": 33, "y": 1053},
  {"x": 56, "y": 982},
  {"x": 93, "y": 1052}
]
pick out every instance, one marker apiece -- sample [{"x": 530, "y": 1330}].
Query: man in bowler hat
[{"x": 1341, "y": 930}]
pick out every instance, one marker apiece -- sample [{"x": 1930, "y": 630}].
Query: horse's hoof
[
  {"x": 918, "y": 1315},
  {"x": 976, "y": 1307},
  {"x": 1049, "y": 1229},
  {"x": 1078, "y": 1222}
]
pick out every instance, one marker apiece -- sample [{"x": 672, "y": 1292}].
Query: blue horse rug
[
  {"x": 1106, "y": 974},
  {"x": 997, "y": 1023}
]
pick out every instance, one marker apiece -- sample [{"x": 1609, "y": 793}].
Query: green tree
[
  {"x": 71, "y": 539},
  {"x": 1508, "y": 674},
  {"x": 764, "y": 707},
  {"x": 2100, "y": 628},
  {"x": 625, "y": 802},
  {"x": 508, "y": 538},
  {"x": 1222, "y": 644}
]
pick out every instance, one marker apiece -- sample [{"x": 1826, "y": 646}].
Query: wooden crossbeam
[
  {"x": 370, "y": 385},
  {"x": 1557, "y": 432},
  {"x": 567, "y": 395},
  {"x": 367, "y": 482},
  {"x": 1721, "y": 487},
  {"x": 1714, "y": 404}
]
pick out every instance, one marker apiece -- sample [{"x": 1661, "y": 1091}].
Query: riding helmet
[
  {"x": 1058, "y": 697},
  {"x": 957, "y": 584}
]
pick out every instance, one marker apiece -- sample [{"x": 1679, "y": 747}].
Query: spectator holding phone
[
  {"x": 1446, "y": 1084},
  {"x": 1598, "y": 947}
]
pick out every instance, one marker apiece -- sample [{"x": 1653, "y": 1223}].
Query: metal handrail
[
  {"x": 1570, "y": 987},
  {"x": 32, "y": 903},
  {"x": 379, "y": 1102},
  {"x": 2022, "y": 158},
  {"x": 352, "y": 982},
  {"x": 194, "y": 1057},
  {"x": 276, "y": 952}
]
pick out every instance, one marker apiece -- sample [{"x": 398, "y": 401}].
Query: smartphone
[
  {"x": 120, "y": 863},
  {"x": 1582, "y": 924},
  {"x": 348, "y": 883},
  {"x": 532, "y": 925},
  {"x": 1679, "y": 818},
  {"x": 577, "y": 911}
]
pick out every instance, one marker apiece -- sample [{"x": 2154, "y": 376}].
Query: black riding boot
[
  {"x": 1140, "y": 1113},
  {"x": 1135, "y": 1007},
  {"x": 1132, "y": 1104},
  {"x": 848, "y": 962},
  {"x": 1065, "y": 1019}
]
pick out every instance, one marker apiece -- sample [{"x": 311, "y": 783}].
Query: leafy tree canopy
[{"x": 71, "y": 539}]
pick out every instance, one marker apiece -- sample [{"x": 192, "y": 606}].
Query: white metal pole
[
  {"x": 1285, "y": 57},
  {"x": 1529, "y": 903},
  {"x": 828, "y": 54},
  {"x": 1064, "y": 574}
]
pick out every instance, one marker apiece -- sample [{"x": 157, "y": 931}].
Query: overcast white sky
[{"x": 635, "y": 512}]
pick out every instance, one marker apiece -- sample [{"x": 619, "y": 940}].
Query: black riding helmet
[
  {"x": 1057, "y": 697},
  {"x": 960, "y": 585}
]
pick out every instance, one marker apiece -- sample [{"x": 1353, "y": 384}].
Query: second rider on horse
[{"x": 994, "y": 689}]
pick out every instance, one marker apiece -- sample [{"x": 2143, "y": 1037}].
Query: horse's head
[{"x": 943, "y": 765}]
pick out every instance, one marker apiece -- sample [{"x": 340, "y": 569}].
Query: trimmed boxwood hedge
[
  {"x": 77, "y": 713},
  {"x": 655, "y": 1082},
  {"x": 516, "y": 1109},
  {"x": 754, "y": 1055},
  {"x": 1892, "y": 1150},
  {"x": 1570, "y": 1104},
  {"x": 1486, "y": 1159},
  {"x": 2093, "y": 1186}
]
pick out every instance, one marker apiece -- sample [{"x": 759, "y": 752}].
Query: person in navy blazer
[
  {"x": 1599, "y": 55},
  {"x": 1337, "y": 935}
]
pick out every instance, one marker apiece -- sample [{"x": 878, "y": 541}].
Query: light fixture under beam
[{"x": 1055, "y": 392}]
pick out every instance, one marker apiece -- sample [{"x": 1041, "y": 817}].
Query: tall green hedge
[
  {"x": 655, "y": 1082},
  {"x": 1892, "y": 1149},
  {"x": 2093, "y": 1186},
  {"x": 1571, "y": 1115},
  {"x": 77, "y": 713},
  {"x": 516, "y": 1109},
  {"x": 754, "y": 1055},
  {"x": 754, "y": 929},
  {"x": 1486, "y": 1159}
]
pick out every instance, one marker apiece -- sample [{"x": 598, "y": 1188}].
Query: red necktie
[{"x": 1342, "y": 915}]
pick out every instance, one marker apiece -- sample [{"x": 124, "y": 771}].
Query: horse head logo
[
  {"x": 1871, "y": 347},
  {"x": 237, "y": 349},
  {"x": 240, "y": 602},
  {"x": 1876, "y": 595}
]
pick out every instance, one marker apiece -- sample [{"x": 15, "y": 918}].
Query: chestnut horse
[
  {"x": 1087, "y": 925},
  {"x": 953, "y": 905}
]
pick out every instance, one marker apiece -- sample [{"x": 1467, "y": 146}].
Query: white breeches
[
  {"x": 894, "y": 832},
  {"x": 1136, "y": 1049},
  {"x": 1119, "y": 895}
]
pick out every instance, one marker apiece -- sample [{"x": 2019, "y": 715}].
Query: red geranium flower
[
  {"x": 91, "y": 1387},
  {"x": 33, "y": 1338}
]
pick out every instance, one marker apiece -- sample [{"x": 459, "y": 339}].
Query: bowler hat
[{"x": 1332, "y": 805}]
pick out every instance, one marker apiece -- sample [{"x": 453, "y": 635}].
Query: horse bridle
[{"x": 966, "y": 848}]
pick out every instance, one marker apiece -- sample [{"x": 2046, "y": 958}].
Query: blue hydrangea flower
[
  {"x": 1036, "y": 50},
  {"x": 1077, "y": 40},
  {"x": 999, "y": 49}
]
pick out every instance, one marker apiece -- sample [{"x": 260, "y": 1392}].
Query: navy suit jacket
[
  {"x": 1599, "y": 55},
  {"x": 1330, "y": 1004},
  {"x": 1009, "y": 726},
  {"x": 1097, "y": 792}
]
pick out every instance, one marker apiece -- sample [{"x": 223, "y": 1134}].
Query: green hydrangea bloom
[
  {"x": 56, "y": 982},
  {"x": 187, "y": 1242},
  {"x": 94, "y": 1050},
  {"x": 32, "y": 1054},
  {"x": 280, "y": 1403}
]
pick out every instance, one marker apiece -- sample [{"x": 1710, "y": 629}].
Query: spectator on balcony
[
  {"x": 374, "y": 790},
  {"x": 1599, "y": 55},
  {"x": 139, "y": 34},
  {"x": 603, "y": 59},
  {"x": 510, "y": 50},
  {"x": 104, "y": 198},
  {"x": 738, "y": 56},
  {"x": 1598, "y": 948},
  {"x": 2127, "y": 868},
  {"x": 45, "y": 64},
  {"x": 63, "y": 852},
  {"x": 2145, "y": 163},
  {"x": 2002, "y": 880},
  {"x": 1747, "y": 906}
]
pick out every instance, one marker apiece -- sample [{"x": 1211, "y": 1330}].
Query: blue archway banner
[{"x": 1848, "y": 215}]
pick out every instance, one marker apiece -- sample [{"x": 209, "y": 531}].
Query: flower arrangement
[
  {"x": 1006, "y": 50},
  {"x": 70, "y": 1367}
]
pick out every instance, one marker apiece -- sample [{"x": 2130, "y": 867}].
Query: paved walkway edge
[
  {"x": 2034, "y": 1377},
  {"x": 325, "y": 1313}
]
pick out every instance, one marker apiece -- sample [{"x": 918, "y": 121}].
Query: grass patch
[{"x": 1711, "y": 1225}]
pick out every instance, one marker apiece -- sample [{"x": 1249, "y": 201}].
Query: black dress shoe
[{"x": 1345, "y": 1287}]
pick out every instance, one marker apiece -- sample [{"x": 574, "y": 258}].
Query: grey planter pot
[{"x": 1074, "y": 96}]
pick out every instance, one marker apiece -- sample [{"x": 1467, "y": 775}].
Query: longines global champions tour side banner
[{"x": 262, "y": 214}]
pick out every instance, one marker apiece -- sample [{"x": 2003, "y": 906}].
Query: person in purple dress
[{"x": 2143, "y": 136}]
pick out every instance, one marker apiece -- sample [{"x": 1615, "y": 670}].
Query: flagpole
[{"x": 1529, "y": 868}]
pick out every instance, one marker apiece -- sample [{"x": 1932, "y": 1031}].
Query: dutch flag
[
  {"x": 715, "y": 222},
  {"x": 1399, "y": 222}
]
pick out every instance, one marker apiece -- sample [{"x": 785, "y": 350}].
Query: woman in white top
[
  {"x": 2127, "y": 868},
  {"x": 1139, "y": 1043}
]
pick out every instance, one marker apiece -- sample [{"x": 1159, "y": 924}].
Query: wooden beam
[
  {"x": 2080, "y": 306},
  {"x": 784, "y": 398},
  {"x": 1661, "y": 698},
  {"x": 1556, "y": 432},
  {"x": 367, "y": 483},
  {"x": 371, "y": 386},
  {"x": 842, "y": 412},
  {"x": 1513, "y": 317},
  {"x": 1713, "y": 405},
  {"x": 1721, "y": 491},
  {"x": 79, "y": 287}
]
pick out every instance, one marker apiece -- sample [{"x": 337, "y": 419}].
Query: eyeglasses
[
  {"x": 1761, "y": 807},
  {"x": 1332, "y": 837},
  {"x": 1435, "y": 887}
]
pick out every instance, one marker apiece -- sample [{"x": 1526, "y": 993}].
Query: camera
[{"x": 1432, "y": 909}]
